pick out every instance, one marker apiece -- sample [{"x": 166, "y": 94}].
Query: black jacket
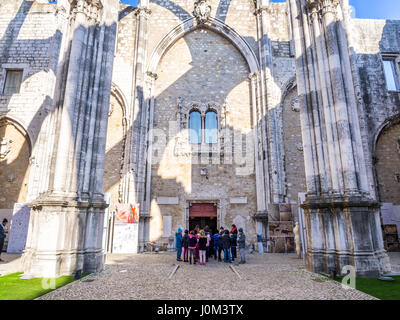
[
  {"x": 226, "y": 241},
  {"x": 234, "y": 240},
  {"x": 185, "y": 241},
  {"x": 192, "y": 242},
  {"x": 203, "y": 243}
]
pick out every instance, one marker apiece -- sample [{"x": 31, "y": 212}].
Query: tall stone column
[
  {"x": 66, "y": 224},
  {"x": 264, "y": 155},
  {"x": 135, "y": 163},
  {"x": 342, "y": 218}
]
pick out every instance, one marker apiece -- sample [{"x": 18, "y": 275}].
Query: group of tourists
[{"x": 201, "y": 245}]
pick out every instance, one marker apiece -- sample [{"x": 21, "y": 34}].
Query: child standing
[
  {"x": 192, "y": 247},
  {"x": 202, "y": 247},
  {"x": 185, "y": 245},
  {"x": 178, "y": 241}
]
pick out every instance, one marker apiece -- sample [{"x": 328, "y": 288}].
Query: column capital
[
  {"x": 91, "y": 9},
  {"x": 152, "y": 75},
  {"x": 321, "y": 7},
  {"x": 253, "y": 75},
  {"x": 261, "y": 10},
  {"x": 143, "y": 11}
]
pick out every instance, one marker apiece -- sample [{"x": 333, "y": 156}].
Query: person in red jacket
[{"x": 234, "y": 229}]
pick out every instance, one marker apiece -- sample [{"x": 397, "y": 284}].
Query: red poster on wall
[{"x": 127, "y": 213}]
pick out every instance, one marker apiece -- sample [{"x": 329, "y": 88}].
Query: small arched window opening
[
  {"x": 195, "y": 127},
  {"x": 211, "y": 127}
]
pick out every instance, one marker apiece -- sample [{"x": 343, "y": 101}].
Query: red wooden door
[{"x": 203, "y": 210}]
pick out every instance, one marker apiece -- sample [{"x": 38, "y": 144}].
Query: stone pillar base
[
  {"x": 344, "y": 231},
  {"x": 64, "y": 236}
]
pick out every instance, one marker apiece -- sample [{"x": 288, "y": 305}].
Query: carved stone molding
[
  {"x": 182, "y": 146},
  {"x": 318, "y": 8},
  {"x": 202, "y": 11},
  {"x": 184, "y": 109},
  {"x": 262, "y": 10},
  {"x": 92, "y": 9},
  {"x": 152, "y": 75},
  {"x": 295, "y": 105},
  {"x": 5, "y": 148},
  {"x": 253, "y": 75},
  {"x": 143, "y": 11}
]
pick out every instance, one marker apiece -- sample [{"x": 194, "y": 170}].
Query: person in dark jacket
[
  {"x": 202, "y": 247},
  {"x": 216, "y": 245},
  {"x": 3, "y": 232},
  {"x": 185, "y": 245},
  {"x": 226, "y": 244},
  {"x": 234, "y": 229},
  {"x": 242, "y": 245},
  {"x": 192, "y": 247},
  {"x": 233, "y": 237},
  {"x": 220, "y": 246},
  {"x": 178, "y": 244}
]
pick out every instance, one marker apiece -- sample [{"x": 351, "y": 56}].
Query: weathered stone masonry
[{"x": 104, "y": 84}]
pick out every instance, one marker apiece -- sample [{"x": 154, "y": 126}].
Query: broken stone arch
[{"x": 212, "y": 24}]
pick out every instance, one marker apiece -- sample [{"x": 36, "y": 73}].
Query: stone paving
[
  {"x": 11, "y": 264},
  {"x": 146, "y": 276}
]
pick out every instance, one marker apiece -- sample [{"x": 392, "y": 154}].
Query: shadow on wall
[
  {"x": 195, "y": 82},
  {"x": 16, "y": 148},
  {"x": 44, "y": 127}
]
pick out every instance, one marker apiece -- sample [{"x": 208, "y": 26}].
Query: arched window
[
  {"x": 195, "y": 127},
  {"x": 211, "y": 127}
]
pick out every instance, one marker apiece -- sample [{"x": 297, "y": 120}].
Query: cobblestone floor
[{"x": 146, "y": 276}]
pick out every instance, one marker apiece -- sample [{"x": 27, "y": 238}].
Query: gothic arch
[
  {"x": 389, "y": 122},
  {"x": 214, "y": 25},
  {"x": 379, "y": 156},
  {"x": 15, "y": 155},
  {"x": 20, "y": 126},
  {"x": 120, "y": 97}
]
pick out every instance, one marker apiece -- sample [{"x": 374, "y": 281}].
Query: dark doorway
[{"x": 203, "y": 214}]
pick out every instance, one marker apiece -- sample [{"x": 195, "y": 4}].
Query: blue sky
[{"x": 366, "y": 9}]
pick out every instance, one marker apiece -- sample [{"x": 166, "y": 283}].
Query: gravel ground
[{"x": 146, "y": 276}]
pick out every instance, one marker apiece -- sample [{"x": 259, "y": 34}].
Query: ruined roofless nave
[{"x": 212, "y": 112}]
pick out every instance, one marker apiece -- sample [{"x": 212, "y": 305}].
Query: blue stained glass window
[
  {"x": 195, "y": 127},
  {"x": 211, "y": 127}
]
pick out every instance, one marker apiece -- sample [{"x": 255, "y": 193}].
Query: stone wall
[
  {"x": 388, "y": 165},
  {"x": 369, "y": 39},
  {"x": 201, "y": 67},
  {"x": 293, "y": 147},
  {"x": 28, "y": 41},
  {"x": 114, "y": 151}
]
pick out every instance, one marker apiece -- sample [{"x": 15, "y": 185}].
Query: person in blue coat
[
  {"x": 178, "y": 244},
  {"x": 216, "y": 245}
]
